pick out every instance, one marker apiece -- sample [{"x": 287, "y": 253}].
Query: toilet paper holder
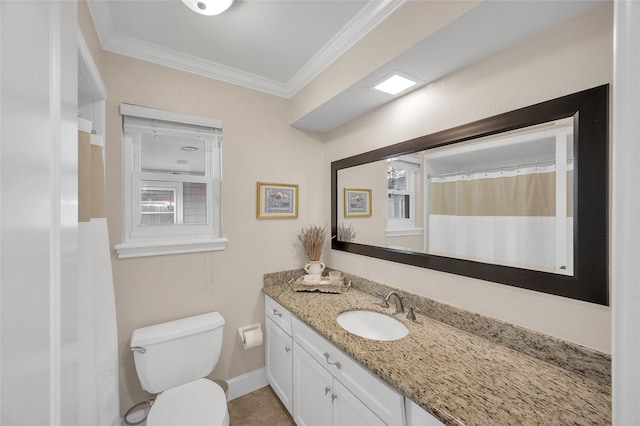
[{"x": 250, "y": 336}]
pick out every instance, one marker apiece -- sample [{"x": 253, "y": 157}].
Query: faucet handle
[
  {"x": 385, "y": 302},
  {"x": 411, "y": 315}
]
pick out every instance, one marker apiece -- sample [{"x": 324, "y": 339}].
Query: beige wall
[
  {"x": 258, "y": 145},
  {"x": 369, "y": 176},
  {"x": 371, "y": 229},
  {"x": 573, "y": 56}
]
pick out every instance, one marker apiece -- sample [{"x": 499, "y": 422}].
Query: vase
[{"x": 314, "y": 267}]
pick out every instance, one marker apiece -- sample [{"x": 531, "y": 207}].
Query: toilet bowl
[
  {"x": 201, "y": 402},
  {"x": 172, "y": 360}
]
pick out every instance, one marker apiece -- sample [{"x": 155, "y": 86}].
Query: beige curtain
[
  {"x": 504, "y": 217},
  {"x": 97, "y": 332},
  {"x": 90, "y": 179},
  {"x": 522, "y": 195}
]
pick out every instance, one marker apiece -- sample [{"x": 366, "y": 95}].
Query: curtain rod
[{"x": 486, "y": 169}]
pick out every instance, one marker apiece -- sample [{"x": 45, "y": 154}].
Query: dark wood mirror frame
[{"x": 589, "y": 282}]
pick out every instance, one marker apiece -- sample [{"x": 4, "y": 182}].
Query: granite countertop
[{"x": 459, "y": 377}]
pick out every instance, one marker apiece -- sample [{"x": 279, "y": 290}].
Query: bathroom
[{"x": 260, "y": 145}]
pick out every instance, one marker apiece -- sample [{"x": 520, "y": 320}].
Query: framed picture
[
  {"x": 277, "y": 201},
  {"x": 357, "y": 202}
]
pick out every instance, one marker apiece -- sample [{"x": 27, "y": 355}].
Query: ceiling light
[
  {"x": 395, "y": 84},
  {"x": 209, "y": 7}
]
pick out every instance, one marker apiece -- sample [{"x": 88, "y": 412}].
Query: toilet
[{"x": 172, "y": 360}]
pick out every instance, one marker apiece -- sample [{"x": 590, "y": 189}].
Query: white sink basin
[{"x": 372, "y": 325}]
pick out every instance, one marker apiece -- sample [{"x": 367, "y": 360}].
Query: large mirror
[{"x": 518, "y": 199}]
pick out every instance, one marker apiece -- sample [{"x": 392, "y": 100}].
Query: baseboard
[{"x": 247, "y": 383}]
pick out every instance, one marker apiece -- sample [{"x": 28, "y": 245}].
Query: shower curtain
[
  {"x": 506, "y": 217},
  {"x": 97, "y": 335}
]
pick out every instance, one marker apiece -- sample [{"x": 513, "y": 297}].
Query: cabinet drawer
[
  {"x": 384, "y": 401},
  {"x": 278, "y": 314}
]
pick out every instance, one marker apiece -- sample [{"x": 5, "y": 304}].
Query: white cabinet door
[
  {"x": 312, "y": 391},
  {"x": 279, "y": 362},
  {"x": 350, "y": 411},
  {"x": 385, "y": 402}
]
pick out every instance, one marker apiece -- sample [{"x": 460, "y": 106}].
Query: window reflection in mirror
[
  {"x": 505, "y": 199},
  {"x": 404, "y": 197}
]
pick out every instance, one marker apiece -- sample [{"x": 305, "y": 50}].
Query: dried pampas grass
[
  {"x": 346, "y": 233},
  {"x": 312, "y": 240}
]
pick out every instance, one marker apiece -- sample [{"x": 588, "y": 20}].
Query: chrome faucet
[{"x": 399, "y": 306}]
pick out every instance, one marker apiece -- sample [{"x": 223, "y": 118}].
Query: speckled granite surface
[{"x": 459, "y": 376}]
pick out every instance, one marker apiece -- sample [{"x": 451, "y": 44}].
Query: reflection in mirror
[
  {"x": 519, "y": 198},
  {"x": 505, "y": 199}
]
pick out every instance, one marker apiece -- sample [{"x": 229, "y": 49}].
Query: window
[
  {"x": 402, "y": 183},
  {"x": 171, "y": 183}
]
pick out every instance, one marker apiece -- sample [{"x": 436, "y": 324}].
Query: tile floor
[{"x": 259, "y": 408}]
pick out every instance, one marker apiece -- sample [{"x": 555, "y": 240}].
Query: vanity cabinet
[
  {"x": 354, "y": 395},
  {"x": 321, "y": 400},
  {"x": 279, "y": 351},
  {"x": 313, "y": 390},
  {"x": 321, "y": 385}
]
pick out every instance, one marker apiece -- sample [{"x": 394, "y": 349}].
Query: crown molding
[
  {"x": 367, "y": 19},
  {"x": 88, "y": 69},
  {"x": 114, "y": 42}
]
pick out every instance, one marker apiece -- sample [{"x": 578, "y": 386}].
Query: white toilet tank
[{"x": 177, "y": 352}]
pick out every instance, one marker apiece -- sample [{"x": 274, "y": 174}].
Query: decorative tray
[{"x": 322, "y": 286}]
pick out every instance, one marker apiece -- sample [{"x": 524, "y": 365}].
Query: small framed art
[
  {"x": 277, "y": 201},
  {"x": 357, "y": 202}
]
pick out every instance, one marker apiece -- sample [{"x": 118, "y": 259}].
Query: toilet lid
[{"x": 197, "y": 403}]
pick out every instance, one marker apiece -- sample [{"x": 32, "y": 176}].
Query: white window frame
[
  {"x": 152, "y": 240},
  {"x": 399, "y": 227}
]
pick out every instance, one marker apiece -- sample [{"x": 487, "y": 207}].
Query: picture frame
[
  {"x": 276, "y": 201},
  {"x": 357, "y": 202}
]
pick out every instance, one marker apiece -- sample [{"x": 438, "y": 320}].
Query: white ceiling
[
  {"x": 275, "y": 46},
  {"x": 278, "y": 46}
]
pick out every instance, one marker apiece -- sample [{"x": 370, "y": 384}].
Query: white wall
[
  {"x": 38, "y": 211},
  {"x": 626, "y": 227},
  {"x": 570, "y": 57},
  {"x": 408, "y": 25}
]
